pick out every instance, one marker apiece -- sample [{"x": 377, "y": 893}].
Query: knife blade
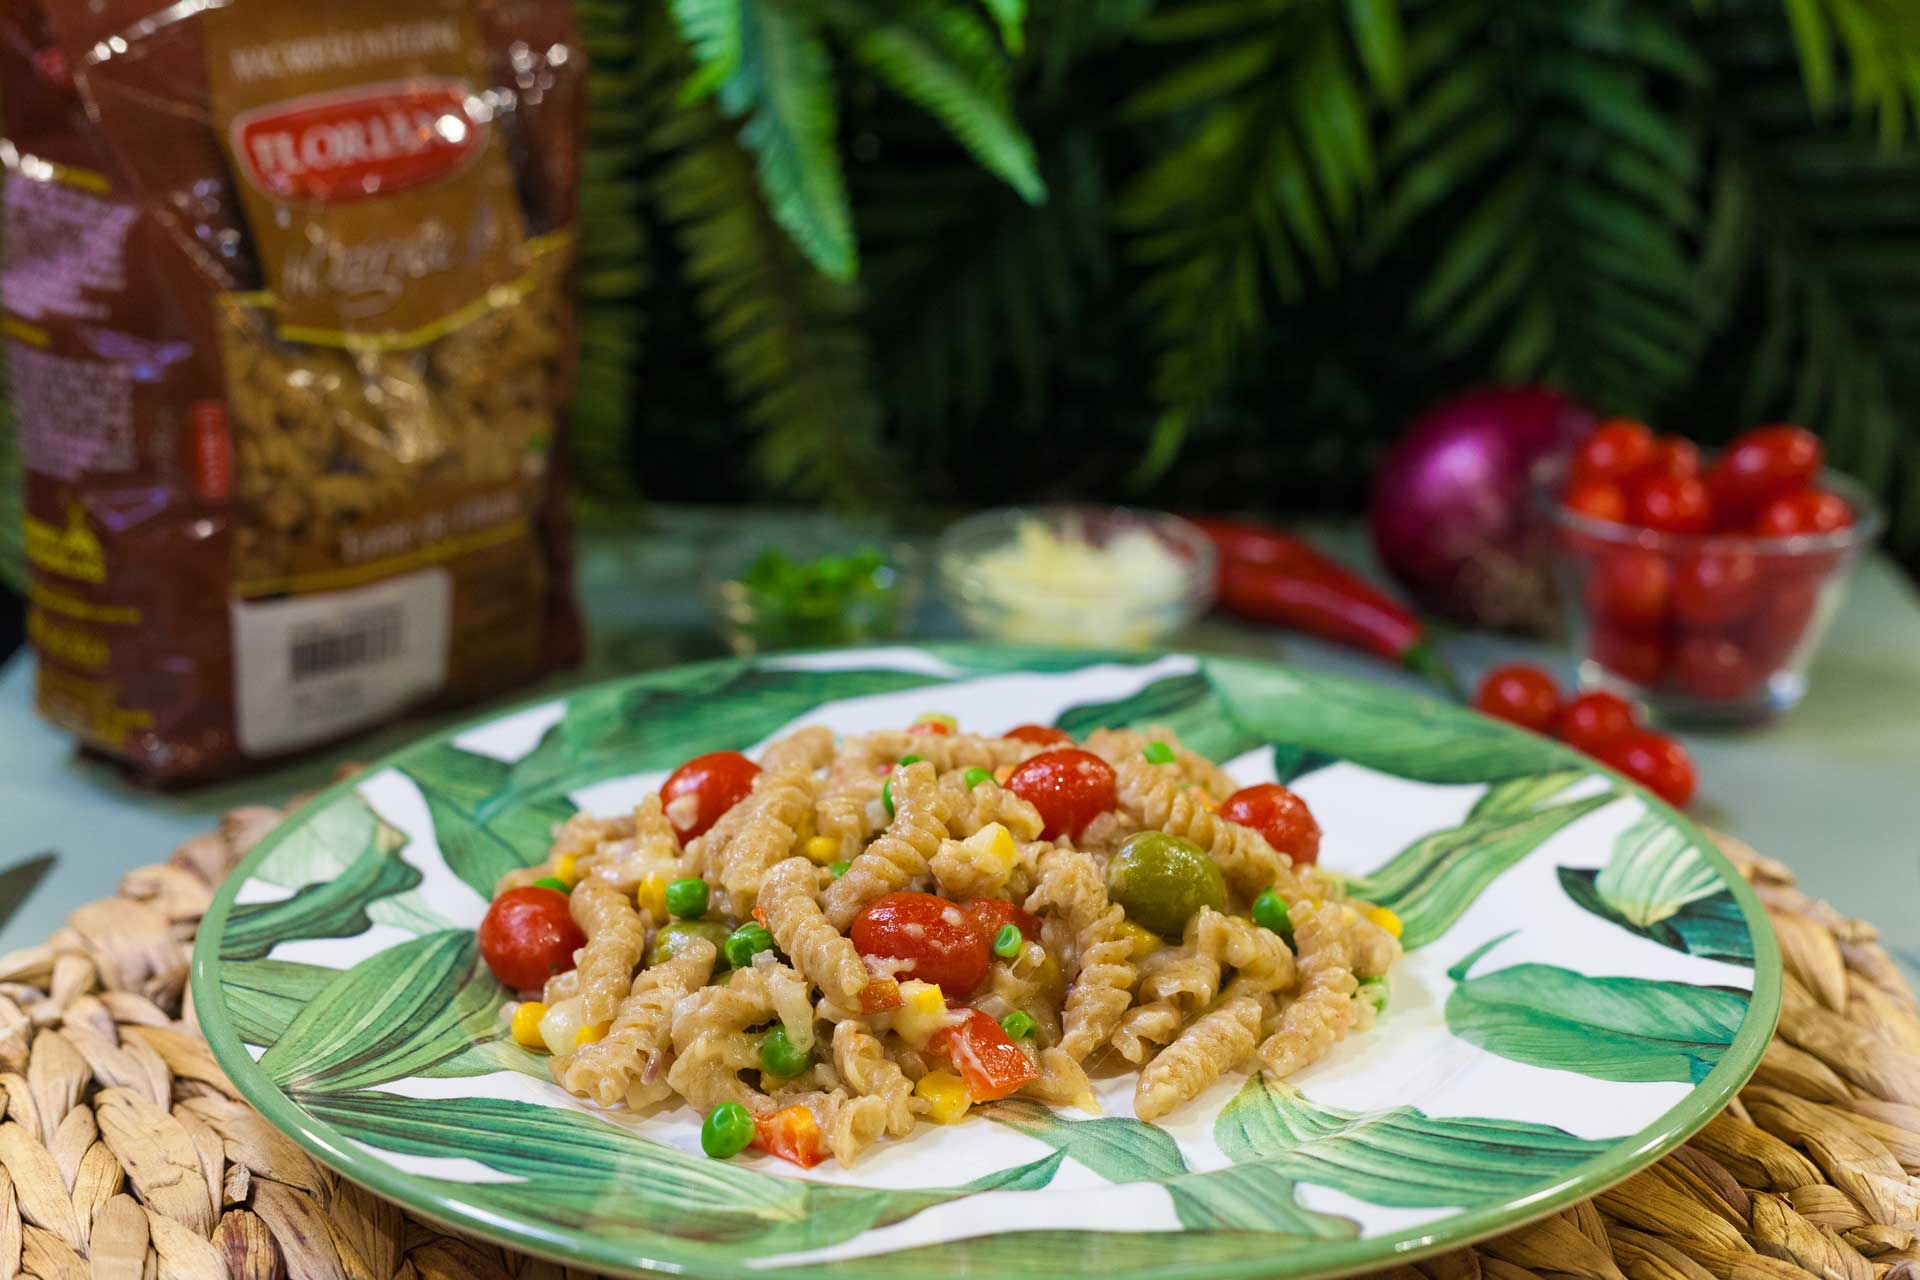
[{"x": 18, "y": 882}]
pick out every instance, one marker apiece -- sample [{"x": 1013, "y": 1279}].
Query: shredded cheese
[{"x": 1072, "y": 590}]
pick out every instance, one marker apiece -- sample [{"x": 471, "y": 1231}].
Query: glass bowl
[
  {"x": 812, "y": 589},
  {"x": 1709, "y": 628},
  {"x": 1124, "y": 579}
]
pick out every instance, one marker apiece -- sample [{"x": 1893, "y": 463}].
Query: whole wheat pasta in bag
[{"x": 291, "y": 345}]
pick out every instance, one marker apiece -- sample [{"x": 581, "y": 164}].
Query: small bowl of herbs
[{"x": 809, "y": 592}]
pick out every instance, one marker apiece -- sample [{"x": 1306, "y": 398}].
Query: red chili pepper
[{"x": 1271, "y": 576}]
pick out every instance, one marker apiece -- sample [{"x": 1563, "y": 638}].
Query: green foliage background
[{"x": 914, "y": 254}]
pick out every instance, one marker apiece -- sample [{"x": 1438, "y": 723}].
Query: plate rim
[{"x": 524, "y": 1233}]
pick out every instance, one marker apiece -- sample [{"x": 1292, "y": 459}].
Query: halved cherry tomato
[
  {"x": 529, "y": 935},
  {"x": 1629, "y": 587},
  {"x": 1594, "y": 721},
  {"x": 1279, "y": 815},
  {"x": 1711, "y": 588},
  {"x": 993, "y": 913},
  {"x": 1638, "y": 657},
  {"x": 944, "y": 944},
  {"x": 1043, "y": 734},
  {"x": 1069, "y": 787},
  {"x": 699, "y": 791},
  {"x": 1672, "y": 456},
  {"x": 1670, "y": 504},
  {"x": 793, "y": 1134},
  {"x": 1521, "y": 694},
  {"x": 1712, "y": 666},
  {"x": 992, "y": 1064},
  {"x": 1613, "y": 450},
  {"x": 1597, "y": 500},
  {"x": 1762, "y": 464},
  {"x": 1803, "y": 511},
  {"x": 1657, "y": 763}
]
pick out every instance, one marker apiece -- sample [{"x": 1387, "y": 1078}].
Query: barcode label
[
  {"x": 371, "y": 637},
  {"x": 314, "y": 667}
]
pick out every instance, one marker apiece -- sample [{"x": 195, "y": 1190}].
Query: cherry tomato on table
[
  {"x": 1069, "y": 787},
  {"x": 1629, "y": 587},
  {"x": 1613, "y": 450},
  {"x": 992, "y": 1065},
  {"x": 1520, "y": 694},
  {"x": 994, "y": 913},
  {"x": 1670, "y": 504},
  {"x": 1657, "y": 763},
  {"x": 1803, "y": 511},
  {"x": 1043, "y": 734},
  {"x": 946, "y": 944},
  {"x": 699, "y": 791},
  {"x": 1764, "y": 463},
  {"x": 1597, "y": 500},
  {"x": 1594, "y": 721},
  {"x": 528, "y": 935},
  {"x": 1713, "y": 587},
  {"x": 1279, "y": 815}
]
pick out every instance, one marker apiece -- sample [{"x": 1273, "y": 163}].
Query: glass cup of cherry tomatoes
[{"x": 1702, "y": 586}]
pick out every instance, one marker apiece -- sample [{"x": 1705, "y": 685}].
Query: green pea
[
  {"x": 1007, "y": 943},
  {"x": 779, "y": 1056},
  {"x": 886, "y": 795},
  {"x": 726, "y": 1131},
  {"x": 746, "y": 942},
  {"x": 907, "y": 760},
  {"x": 1163, "y": 881},
  {"x": 1018, "y": 1025},
  {"x": 1375, "y": 987},
  {"x": 1158, "y": 753},
  {"x": 552, "y": 882},
  {"x": 1270, "y": 912},
  {"x": 839, "y": 868},
  {"x": 670, "y": 939},
  {"x": 975, "y": 776},
  {"x": 687, "y": 899}
]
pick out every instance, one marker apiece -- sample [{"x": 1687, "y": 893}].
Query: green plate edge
[{"x": 1293, "y": 1261}]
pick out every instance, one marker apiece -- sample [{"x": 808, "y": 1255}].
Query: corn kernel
[
  {"x": 945, "y": 1095},
  {"x": 1145, "y": 941},
  {"x": 1385, "y": 919},
  {"x": 588, "y": 1034},
  {"x": 1001, "y": 774},
  {"x": 566, "y": 867},
  {"x": 650, "y": 895},
  {"x": 526, "y": 1024},
  {"x": 922, "y": 1011},
  {"x": 992, "y": 846},
  {"x": 822, "y": 849}
]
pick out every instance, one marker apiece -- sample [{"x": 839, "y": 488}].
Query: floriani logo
[{"x": 371, "y": 141}]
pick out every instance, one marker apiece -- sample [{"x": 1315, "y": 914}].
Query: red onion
[{"x": 1453, "y": 515}]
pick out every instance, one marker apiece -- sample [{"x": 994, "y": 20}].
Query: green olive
[
  {"x": 670, "y": 938},
  {"x": 1162, "y": 881}
]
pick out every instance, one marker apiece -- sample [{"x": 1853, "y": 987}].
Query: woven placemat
[{"x": 128, "y": 1154}]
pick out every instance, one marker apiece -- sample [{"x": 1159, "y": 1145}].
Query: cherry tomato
[
  {"x": 1594, "y": 721},
  {"x": 1657, "y": 763},
  {"x": 1043, "y": 734},
  {"x": 1069, "y": 787},
  {"x": 699, "y": 791},
  {"x": 987, "y": 1058},
  {"x": 1613, "y": 450},
  {"x": 1638, "y": 657},
  {"x": 1670, "y": 504},
  {"x": 1279, "y": 815},
  {"x": 1520, "y": 694},
  {"x": 1673, "y": 456},
  {"x": 1597, "y": 500},
  {"x": 1629, "y": 587},
  {"x": 1712, "y": 666},
  {"x": 1780, "y": 622},
  {"x": 1764, "y": 463},
  {"x": 946, "y": 944},
  {"x": 1803, "y": 511},
  {"x": 529, "y": 935},
  {"x": 1712, "y": 588},
  {"x": 793, "y": 1134},
  {"x": 993, "y": 913}
]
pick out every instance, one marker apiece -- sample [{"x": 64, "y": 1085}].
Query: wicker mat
[{"x": 128, "y": 1154}]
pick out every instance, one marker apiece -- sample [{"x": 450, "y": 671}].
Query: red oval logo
[{"x": 370, "y": 141}]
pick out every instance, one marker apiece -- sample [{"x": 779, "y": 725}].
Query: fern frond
[
  {"x": 715, "y": 32},
  {"x": 782, "y": 336},
  {"x": 1882, "y": 57},
  {"x": 1010, "y": 16},
  {"x": 940, "y": 54}
]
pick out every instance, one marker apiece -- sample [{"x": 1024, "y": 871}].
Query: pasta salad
[{"x": 825, "y": 948}]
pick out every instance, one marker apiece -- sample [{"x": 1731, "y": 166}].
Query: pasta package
[{"x": 291, "y": 346}]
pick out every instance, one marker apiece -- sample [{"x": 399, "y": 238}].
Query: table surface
[{"x": 1832, "y": 789}]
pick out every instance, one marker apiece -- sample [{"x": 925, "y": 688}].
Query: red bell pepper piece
[
  {"x": 992, "y": 1065},
  {"x": 791, "y": 1133}
]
